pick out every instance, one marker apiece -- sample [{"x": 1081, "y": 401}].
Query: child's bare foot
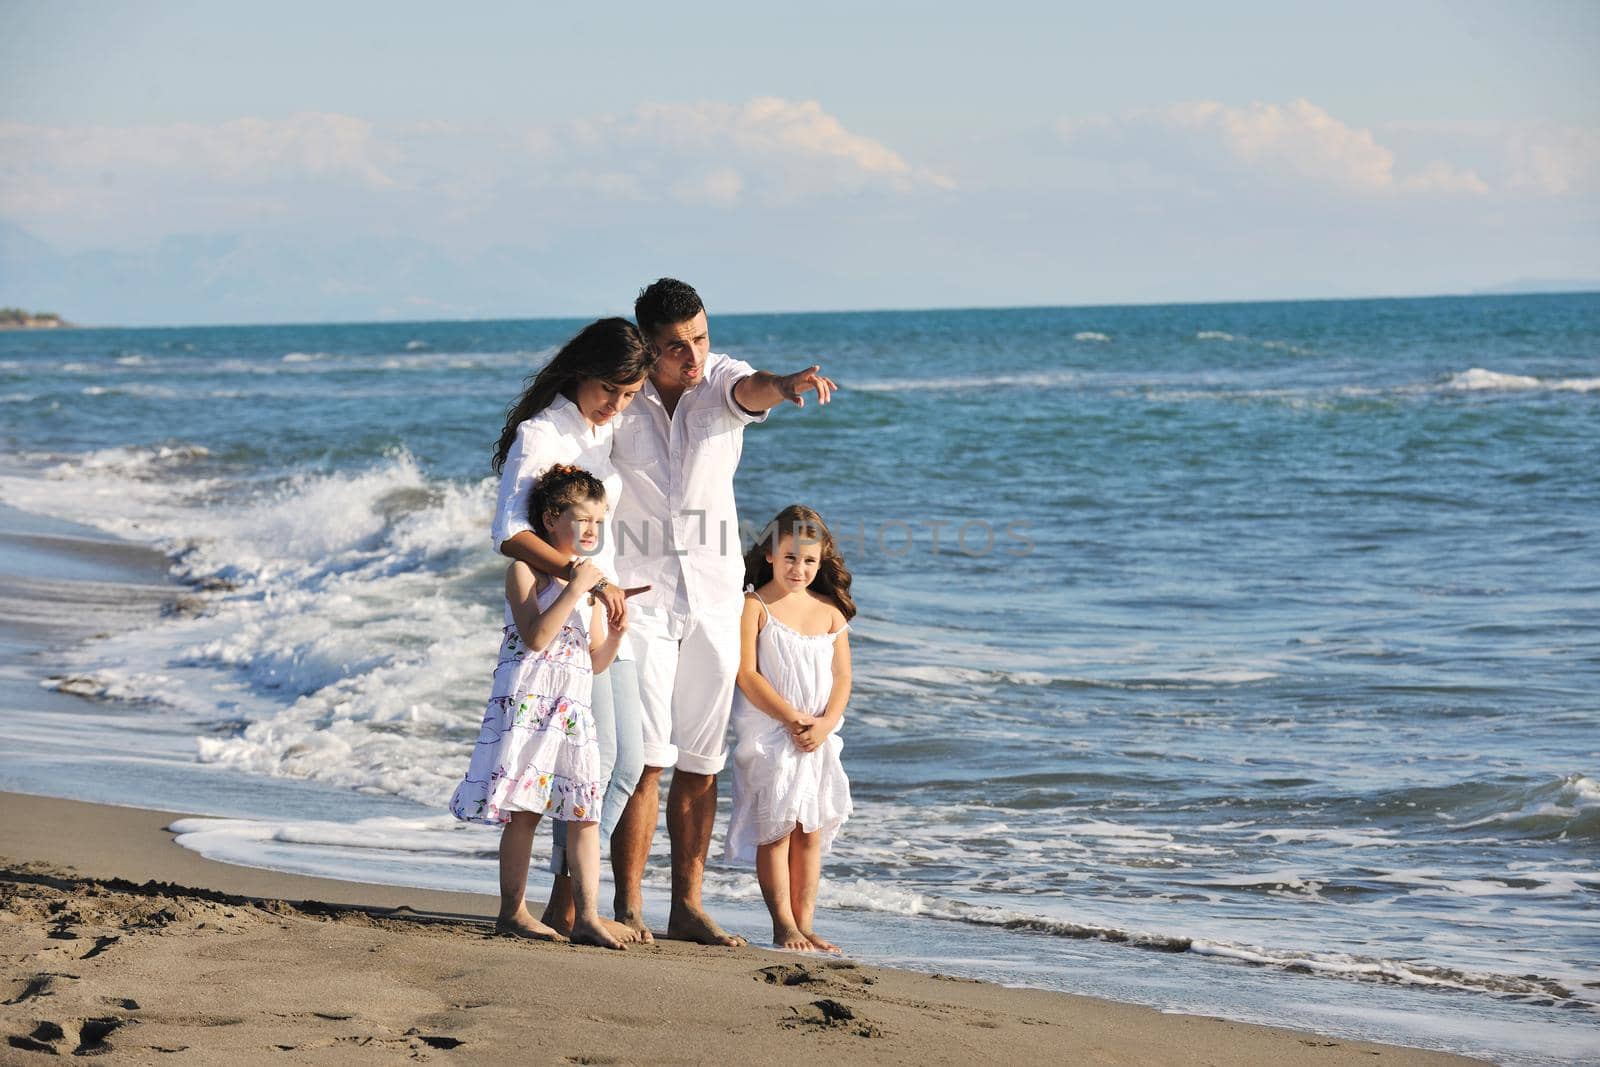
[
  {"x": 692, "y": 924},
  {"x": 790, "y": 937},
  {"x": 822, "y": 944},
  {"x": 523, "y": 924},
  {"x": 635, "y": 922},
  {"x": 587, "y": 932}
]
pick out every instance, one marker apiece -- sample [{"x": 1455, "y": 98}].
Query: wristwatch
[{"x": 598, "y": 587}]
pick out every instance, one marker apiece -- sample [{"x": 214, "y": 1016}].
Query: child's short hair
[{"x": 558, "y": 489}]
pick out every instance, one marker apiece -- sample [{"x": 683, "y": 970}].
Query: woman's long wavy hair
[
  {"x": 833, "y": 577},
  {"x": 612, "y": 350}
]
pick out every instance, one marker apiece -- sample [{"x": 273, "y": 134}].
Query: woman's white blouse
[{"x": 558, "y": 434}]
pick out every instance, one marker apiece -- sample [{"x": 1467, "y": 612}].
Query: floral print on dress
[{"x": 536, "y": 748}]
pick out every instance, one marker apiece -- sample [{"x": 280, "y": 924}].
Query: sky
[{"x": 173, "y": 163}]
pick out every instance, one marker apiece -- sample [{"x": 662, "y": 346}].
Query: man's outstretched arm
[{"x": 763, "y": 390}]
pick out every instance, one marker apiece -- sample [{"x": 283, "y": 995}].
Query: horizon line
[{"x": 1592, "y": 289}]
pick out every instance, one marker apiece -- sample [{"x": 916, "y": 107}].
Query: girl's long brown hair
[{"x": 833, "y": 577}]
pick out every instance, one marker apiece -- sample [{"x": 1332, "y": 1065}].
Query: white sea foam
[
  {"x": 133, "y": 360},
  {"x": 1092, "y": 336},
  {"x": 1213, "y": 335},
  {"x": 1478, "y": 379},
  {"x": 1344, "y": 838},
  {"x": 1040, "y": 380},
  {"x": 127, "y": 460},
  {"x": 144, "y": 389},
  {"x": 302, "y": 357},
  {"x": 364, "y": 671}
]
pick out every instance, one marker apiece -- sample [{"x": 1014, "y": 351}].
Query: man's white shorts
[{"x": 687, "y": 670}]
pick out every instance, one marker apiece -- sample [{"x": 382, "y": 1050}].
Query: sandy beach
[{"x": 117, "y": 940}]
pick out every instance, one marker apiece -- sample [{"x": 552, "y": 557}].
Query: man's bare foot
[
  {"x": 790, "y": 937},
  {"x": 822, "y": 944},
  {"x": 635, "y": 922},
  {"x": 523, "y": 924},
  {"x": 585, "y": 932},
  {"x": 692, "y": 924}
]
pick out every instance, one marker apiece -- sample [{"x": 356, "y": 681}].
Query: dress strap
[{"x": 750, "y": 590}]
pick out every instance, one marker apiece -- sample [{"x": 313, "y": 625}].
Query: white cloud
[
  {"x": 82, "y": 184},
  {"x": 715, "y": 152},
  {"x": 1531, "y": 157},
  {"x": 1555, "y": 159},
  {"x": 1298, "y": 143}
]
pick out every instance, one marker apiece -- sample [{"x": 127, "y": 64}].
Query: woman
[{"x": 565, "y": 416}]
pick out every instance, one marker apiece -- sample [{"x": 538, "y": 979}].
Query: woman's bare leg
[{"x": 583, "y": 858}]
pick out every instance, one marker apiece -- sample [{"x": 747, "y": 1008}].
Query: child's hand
[
  {"x": 808, "y": 734},
  {"x": 586, "y": 575}
]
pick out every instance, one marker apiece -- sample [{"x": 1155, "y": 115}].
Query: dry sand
[{"x": 118, "y": 942}]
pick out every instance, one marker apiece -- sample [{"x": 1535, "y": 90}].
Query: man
[{"x": 676, "y": 530}]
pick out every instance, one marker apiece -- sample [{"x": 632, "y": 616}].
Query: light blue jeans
[{"x": 619, "y": 728}]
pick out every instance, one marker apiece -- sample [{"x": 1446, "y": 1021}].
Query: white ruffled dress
[
  {"x": 537, "y": 749},
  {"x": 775, "y": 785}
]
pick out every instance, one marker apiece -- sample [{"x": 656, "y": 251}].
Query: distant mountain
[{"x": 1541, "y": 285}]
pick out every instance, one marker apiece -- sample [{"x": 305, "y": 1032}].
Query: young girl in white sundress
[
  {"x": 790, "y": 793},
  {"x": 537, "y": 753}
]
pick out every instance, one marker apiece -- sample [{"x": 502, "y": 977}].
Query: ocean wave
[
  {"x": 141, "y": 389},
  {"x": 1214, "y": 335},
  {"x": 1568, "y": 807},
  {"x": 128, "y": 462},
  {"x": 330, "y": 626},
  {"x": 962, "y": 383},
  {"x": 1478, "y": 379},
  {"x": 1092, "y": 336},
  {"x": 874, "y": 896}
]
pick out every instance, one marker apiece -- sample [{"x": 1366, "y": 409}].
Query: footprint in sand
[
  {"x": 88, "y": 1036},
  {"x": 831, "y": 1015},
  {"x": 830, "y": 972},
  {"x": 40, "y": 985}
]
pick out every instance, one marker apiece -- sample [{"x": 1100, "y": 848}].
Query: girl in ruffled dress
[
  {"x": 790, "y": 793},
  {"x": 537, "y": 753}
]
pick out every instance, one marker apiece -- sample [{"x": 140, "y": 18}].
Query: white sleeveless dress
[
  {"x": 537, "y": 749},
  {"x": 775, "y": 785}
]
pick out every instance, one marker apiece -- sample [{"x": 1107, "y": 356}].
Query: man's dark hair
[{"x": 665, "y": 302}]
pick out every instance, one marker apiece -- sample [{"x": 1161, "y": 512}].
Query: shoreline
[
  {"x": 102, "y": 909},
  {"x": 62, "y": 853}
]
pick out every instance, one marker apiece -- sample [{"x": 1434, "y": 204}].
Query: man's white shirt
[{"x": 676, "y": 527}]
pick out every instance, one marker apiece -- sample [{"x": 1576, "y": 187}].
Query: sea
[{"x": 1234, "y": 659}]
